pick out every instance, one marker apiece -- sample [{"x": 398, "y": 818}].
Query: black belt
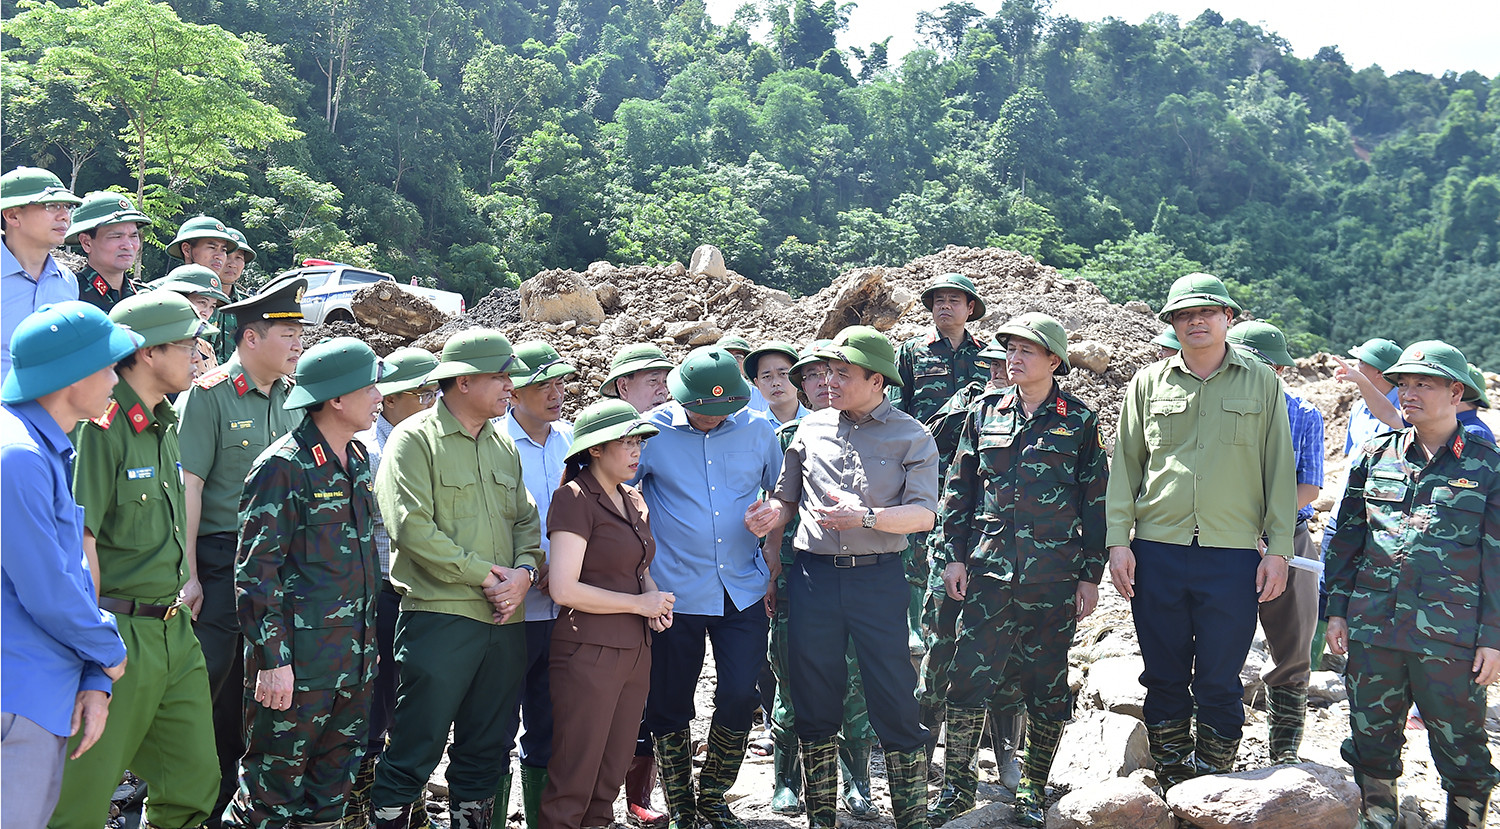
[
  {"x": 130, "y": 607},
  {"x": 847, "y": 561}
]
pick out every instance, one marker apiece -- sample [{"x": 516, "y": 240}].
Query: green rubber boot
[
  {"x": 502, "y": 799},
  {"x": 533, "y": 783},
  {"x": 1319, "y": 642},
  {"x": 932, "y": 718},
  {"x": 1172, "y": 751},
  {"x": 854, "y": 765},
  {"x": 1042, "y": 739},
  {"x": 1467, "y": 812},
  {"x": 357, "y": 811},
  {"x": 1007, "y": 732},
  {"x": 1287, "y": 712},
  {"x": 960, "y": 778},
  {"x": 820, "y": 789},
  {"x": 907, "y": 773},
  {"x": 471, "y": 814},
  {"x": 1215, "y": 753},
  {"x": 1379, "y": 807},
  {"x": 726, "y": 751},
  {"x": 787, "y": 764},
  {"x": 674, "y": 763}
]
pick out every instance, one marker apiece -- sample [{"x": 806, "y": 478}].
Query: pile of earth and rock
[{"x": 1102, "y": 777}]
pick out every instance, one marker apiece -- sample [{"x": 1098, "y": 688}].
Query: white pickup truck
[{"x": 331, "y": 285}]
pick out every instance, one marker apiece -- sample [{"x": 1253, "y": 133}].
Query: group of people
[{"x": 342, "y": 566}]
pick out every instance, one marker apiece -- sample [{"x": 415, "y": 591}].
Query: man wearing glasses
[
  {"x": 37, "y": 211},
  {"x": 128, "y": 479}
]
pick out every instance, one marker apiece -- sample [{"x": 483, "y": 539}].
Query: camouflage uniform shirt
[
  {"x": 94, "y": 290},
  {"x": 306, "y": 577},
  {"x": 1024, "y": 498},
  {"x": 932, "y": 370},
  {"x": 1417, "y": 545}
]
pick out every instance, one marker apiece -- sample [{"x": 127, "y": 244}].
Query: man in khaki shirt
[{"x": 1202, "y": 471}]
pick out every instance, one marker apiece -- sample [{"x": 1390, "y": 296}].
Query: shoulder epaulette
[
  {"x": 103, "y": 421},
  {"x": 212, "y": 378}
]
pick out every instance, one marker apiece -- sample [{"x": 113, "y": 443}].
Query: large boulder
[
  {"x": 1090, "y": 354},
  {"x": 388, "y": 307},
  {"x": 1114, "y": 684},
  {"x": 1098, "y": 746},
  {"x": 1122, "y": 803},
  {"x": 1280, "y": 797},
  {"x": 867, "y": 298},
  {"x": 708, "y": 260},
  {"x": 559, "y": 296}
]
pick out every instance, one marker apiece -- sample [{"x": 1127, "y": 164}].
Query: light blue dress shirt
[
  {"x": 541, "y": 470},
  {"x": 20, "y": 295}
]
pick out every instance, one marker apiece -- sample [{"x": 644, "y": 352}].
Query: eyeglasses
[
  {"x": 56, "y": 207},
  {"x": 820, "y": 372},
  {"x": 426, "y": 398},
  {"x": 191, "y": 346}
]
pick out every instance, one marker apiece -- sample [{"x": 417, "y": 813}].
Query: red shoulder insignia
[
  {"x": 318, "y": 455},
  {"x": 1458, "y": 445},
  {"x": 100, "y": 285},
  {"x": 1008, "y": 400},
  {"x": 1062, "y": 407},
  {"x": 103, "y": 421},
  {"x": 212, "y": 377},
  {"x": 138, "y": 419},
  {"x": 359, "y": 450},
  {"x": 241, "y": 385}
]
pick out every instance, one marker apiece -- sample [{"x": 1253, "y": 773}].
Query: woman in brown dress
[{"x": 600, "y": 664}]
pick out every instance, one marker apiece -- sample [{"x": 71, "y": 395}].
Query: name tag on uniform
[
  {"x": 180, "y": 478},
  {"x": 241, "y": 424},
  {"x": 328, "y": 494},
  {"x": 140, "y": 472}
]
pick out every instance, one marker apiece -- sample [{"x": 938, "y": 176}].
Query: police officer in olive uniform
[
  {"x": 108, "y": 229},
  {"x": 128, "y": 479},
  {"x": 228, "y": 417},
  {"x": 1414, "y": 591},
  {"x": 306, "y": 584}
]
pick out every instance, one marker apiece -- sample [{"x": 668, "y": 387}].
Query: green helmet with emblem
[
  {"x": 1479, "y": 382},
  {"x": 543, "y": 363},
  {"x": 33, "y": 185},
  {"x": 631, "y": 359},
  {"x": 752, "y": 360},
  {"x": 606, "y": 420},
  {"x": 865, "y": 347},
  {"x": 333, "y": 368},
  {"x": 709, "y": 383},
  {"x": 199, "y": 227},
  {"x": 241, "y": 244},
  {"x": 193, "y": 279},
  {"x": 477, "y": 351},
  {"x": 957, "y": 282},
  {"x": 160, "y": 317},
  {"x": 1377, "y": 352},
  {"x": 101, "y": 208},
  {"x": 1263, "y": 340},
  {"x": 1041, "y": 329},
  {"x": 1196, "y": 290},
  {"x": 1438, "y": 359},
  {"x": 406, "y": 369}
]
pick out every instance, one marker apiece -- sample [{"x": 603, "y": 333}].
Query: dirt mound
[
  {"x": 385, "y": 306},
  {"x": 382, "y": 342},
  {"x": 502, "y": 307}
]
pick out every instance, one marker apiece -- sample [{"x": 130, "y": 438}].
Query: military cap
[
  {"x": 33, "y": 185},
  {"x": 752, "y": 360},
  {"x": 1167, "y": 339},
  {"x": 808, "y": 356},
  {"x": 1263, "y": 340},
  {"x": 1196, "y": 290},
  {"x": 865, "y": 347},
  {"x": 160, "y": 317},
  {"x": 604, "y": 421},
  {"x": 734, "y": 342},
  {"x": 1438, "y": 359},
  {"x": 100, "y": 208},
  {"x": 330, "y": 369},
  {"x": 242, "y": 244},
  {"x": 192, "y": 279},
  {"x": 629, "y": 360},
  {"x": 60, "y": 344},
  {"x": 1042, "y": 330},
  {"x": 406, "y": 369},
  {"x": 1479, "y": 383},
  {"x": 995, "y": 350},
  {"x": 957, "y": 282},
  {"x": 709, "y": 382},
  {"x": 1377, "y": 353},
  {"x": 477, "y": 351},
  {"x": 278, "y": 302},
  {"x": 543, "y": 363},
  {"x": 199, "y": 227}
]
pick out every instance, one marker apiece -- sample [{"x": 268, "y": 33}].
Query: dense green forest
[{"x": 470, "y": 143}]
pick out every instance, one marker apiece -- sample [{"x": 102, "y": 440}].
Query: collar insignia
[
  {"x": 318, "y": 455},
  {"x": 1062, "y": 407},
  {"x": 241, "y": 385},
  {"x": 100, "y": 285},
  {"x": 1458, "y": 444},
  {"x": 138, "y": 419}
]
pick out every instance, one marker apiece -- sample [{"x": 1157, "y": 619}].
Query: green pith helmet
[
  {"x": 604, "y": 421},
  {"x": 543, "y": 363},
  {"x": 100, "y": 208},
  {"x": 1438, "y": 359},
  {"x": 1377, "y": 353},
  {"x": 1478, "y": 377},
  {"x": 1264, "y": 341},
  {"x": 709, "y": 383},
  {"x": 193, "y": 279},
  {"x": 60, "y": 344},
  {"x": 734, "y": 342},
  {"x": 160, "y": 317},
  {"x": 199, "y": 227},
  {"x": 865, "y": 347},
  {"x": 477, "y": 351},
  {"x": 241, "y": 244},
  {"x": 958, "y": 282},
  {"x": 1042, "y": 330},
  {"x": 1167, "y": 339},
  {"x": 33, "y": 185},
  {"x": 333, "y": 368},
  {"x": 631, "y": 359},
  {"x": 807, "y": 357},
  {"x": 752, "y": 360},
  {"x": 406, "y": 369},
  {"x": 1196, "y": 290},
  {"x": 279, "y": 302}
]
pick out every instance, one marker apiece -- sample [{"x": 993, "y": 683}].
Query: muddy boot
[
  {"x": 1042, "y": 739},
  {"x": 820, "y": 775},
  {"x": 471, "y": 814},
  {"x": 854, "y": 765},
  {"x": 640, "y": 781},
  {"x": 1006, "y": 734},
  {"x": 960, "y": 778},
  {"x": 907, "y": 773},
  {"x": 1319, "y": 643},
  {"x": 1468, "y": 812},
  {"x": 1378, "y": 806},
  {"x": 787, "y": 763},
  {"x": 357, "y": 813},
  {"x": 394, "y": 817},
  {"x": 1172, "y": 751},
  {"x": 932, "y": 718},
  {"x": 726, "y": 751},
  {"x": 674, "y": 759},
  {"x": 1215, "y": 753},
  {"x": 1286, "y": 712},
  {"x": 533, "y": 783}
]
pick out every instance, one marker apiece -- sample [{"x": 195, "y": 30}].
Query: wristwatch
[
  {"x": 531, "y": 571},
  {"x": 868, "y": 522}
]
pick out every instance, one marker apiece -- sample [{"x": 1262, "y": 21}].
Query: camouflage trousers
[
  {"x": 1012, "y": 642},
  {"x": 299, "y": 764},
  {"x": 856, "y": 728},
  {"x": 939, "y": 616},
  {"x": 1383, "y": 683}
]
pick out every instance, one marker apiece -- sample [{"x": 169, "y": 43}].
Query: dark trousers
[
  {"x": 454, "y": 672},
  {"x": 1290, "y": 619},
  {"x": 831, "y": 606},
  {"x": 383, "y": 703},
  {"x": 536, "y": 701},
  {"x": 600, "y": 693},
  {"x": 218, "y": 630},
  {"x": 1195, "y": 612},
  {"x": 739, "y": 640}
]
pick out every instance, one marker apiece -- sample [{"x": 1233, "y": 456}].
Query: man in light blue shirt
[
  {"x": 700, "y": 476},
  {"x": 37, "y": 211},
  {"x": 534, "y": 422}
]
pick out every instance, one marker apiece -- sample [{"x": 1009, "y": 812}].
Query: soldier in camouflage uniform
[
  {"x": 306, "y": 588},
  {"x": 1022, "y": 522},
  {"x": 1412, "y": 597}
]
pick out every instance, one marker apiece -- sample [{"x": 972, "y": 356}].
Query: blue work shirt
[
  {"x": 56, "y": 637},
  {"x": 1469, "y": 421},
  {"x": 541, "y": 472},
  {"x": 1363, "y": 425},
  {"x": 20, "y": 296},
  {"x": 802, "y": 411},
  {"x": 698, "y": 486},
  {"x": 1307, "y": 444}
]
